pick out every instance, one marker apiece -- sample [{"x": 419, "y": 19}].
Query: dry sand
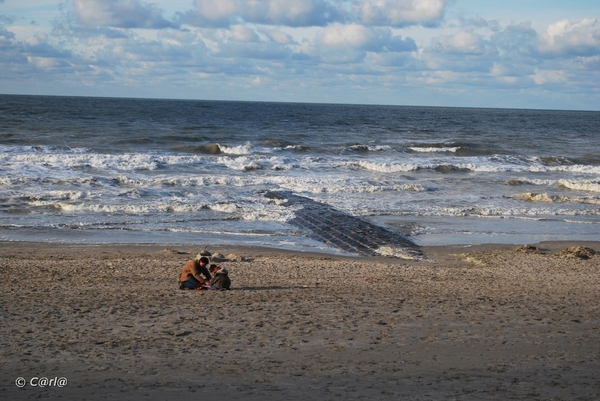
[{"x": 469, "y": 323}]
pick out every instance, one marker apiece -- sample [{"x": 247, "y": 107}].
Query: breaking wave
[{"x": 544, "y": 197}]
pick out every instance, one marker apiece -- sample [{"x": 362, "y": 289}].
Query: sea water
[{"x": 103, "y": 170}]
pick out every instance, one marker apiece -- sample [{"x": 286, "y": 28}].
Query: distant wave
[
  {"x": 240, "y": 163},
  {"x": 217, "y": 149},
  {"x": 369, "y": 148},
  {"x": 573, "y": 184},
  {"x": 545, "y": 197},
  {"x": 496, "y": 164},
  {"x": 584, "y": 185},
  {"x": 383, "y": 167},
  {"x": 452, "y": 149},
  {"x": 128, "y": 161},
  {"x": 237, "y": 150},
  {"x": 537, "y": 213}
]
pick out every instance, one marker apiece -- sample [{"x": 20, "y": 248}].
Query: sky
[{"x": 533, "y": 54}]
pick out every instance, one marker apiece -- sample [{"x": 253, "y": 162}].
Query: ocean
[{"x": 114, "y": 170}]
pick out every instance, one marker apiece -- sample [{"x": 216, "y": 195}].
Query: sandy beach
[{"x": 492, "y": 322}]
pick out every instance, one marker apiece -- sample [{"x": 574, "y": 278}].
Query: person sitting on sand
[
  {"x": 194, "y": 274},
  {"x": 221, "y": 280}
]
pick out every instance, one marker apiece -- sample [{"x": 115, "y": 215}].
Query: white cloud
[
  {"x": 297, "y": 13},
  {"x": 219, "y": 13},
  {"x": 541, "y": 77},
  {"x": 119, "y": 14},
  {"x": 242, "y": 33},
  {"x": 516, "y": 40},
  {"x": 45, "y": 63},
  {"x": 354, "y": 36},
  {"x": 572, "y": 38},
  {"x": 213, "y": 12},
  {"x": 399, "y": 13},
  {"x": 241, "y": 42},
  {"x": 462, "y": 42},
  {"x": 280, "y": 37},
  {"x": 289, "y": 13},
  {"x": 359, "y": 37}
]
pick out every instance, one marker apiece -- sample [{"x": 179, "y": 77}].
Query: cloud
[
  {"x": 399, "y": 13},
  {"x": 359, "y": 37},
  {"x": 5, "y": 35},
  {"x": 290, "y": 13},
  {"x": 462, "y": 42},
  {"x": 39, "y": 46},
  {"x": 243, "y": 42},
  {"x": 572, "y": 38},
  {"x": 11, "y": 51},
  {"x": 541, "y": 77},
  {"x": 479, "y": 22},
  {"x": 31, "y": 58},
  {"x": 221, "y": 13},
  {"x": 241, "y": 33},
  {"x": 516, "y": 40},
  {"x": 327, "y": 47},
  {"x": 119, "y": 14},
  {"x": 280, "y": 37},
  {"x": 297, "y": 13},
  {"x": 213, "y": 13}
]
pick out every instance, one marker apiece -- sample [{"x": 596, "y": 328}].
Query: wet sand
[{"x": 490, "y": 322}]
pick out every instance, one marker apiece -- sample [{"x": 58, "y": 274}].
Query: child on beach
[{"x": 221, "y": 280}]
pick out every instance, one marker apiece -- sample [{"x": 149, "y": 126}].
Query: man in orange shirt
[{"x": 194, "y": 274}]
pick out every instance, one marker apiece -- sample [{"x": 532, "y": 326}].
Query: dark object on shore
[
  {"x": 580, "y": 252},
  {"x": 344, "y": 231}
]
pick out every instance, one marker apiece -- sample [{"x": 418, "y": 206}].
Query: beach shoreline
[{"x": 491, "y": 321}]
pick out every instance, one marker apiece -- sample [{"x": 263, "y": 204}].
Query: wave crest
[{"x": 545, "y": 197}]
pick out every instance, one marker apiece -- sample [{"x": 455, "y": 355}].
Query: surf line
[{"x": 344, "y": 231}]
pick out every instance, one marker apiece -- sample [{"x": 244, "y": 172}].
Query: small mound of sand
[
  {"x": 235, "y": 258},
  {"x": 580, "y": 252},
  {"x": 170, "y": 250},
  {"x": 527, "y": 249}
]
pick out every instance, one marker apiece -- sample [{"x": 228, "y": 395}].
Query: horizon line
[{"x": 296, "y": 102}]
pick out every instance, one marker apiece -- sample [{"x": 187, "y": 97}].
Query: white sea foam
[
  {"x": 397, "y": 253},
  {"x": 130, "y": 209},
  {"x": 120, "y": 162},
  {"x": 225, "y": 207},
  {"x": 529, "y": 181},
  {"x": 419, "y": 149},
  {"x": 371, "y": 148},
  {"x": 581, "y": 185},
  {"x": 576, "y": 168},
  {"x": 544, "y": 197},
  {"x": 242, "y": 163},
  {"x": 382, "y": 167},
  {"x": 478, "y": 164},
  {"x": 245, "y": 149}
]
